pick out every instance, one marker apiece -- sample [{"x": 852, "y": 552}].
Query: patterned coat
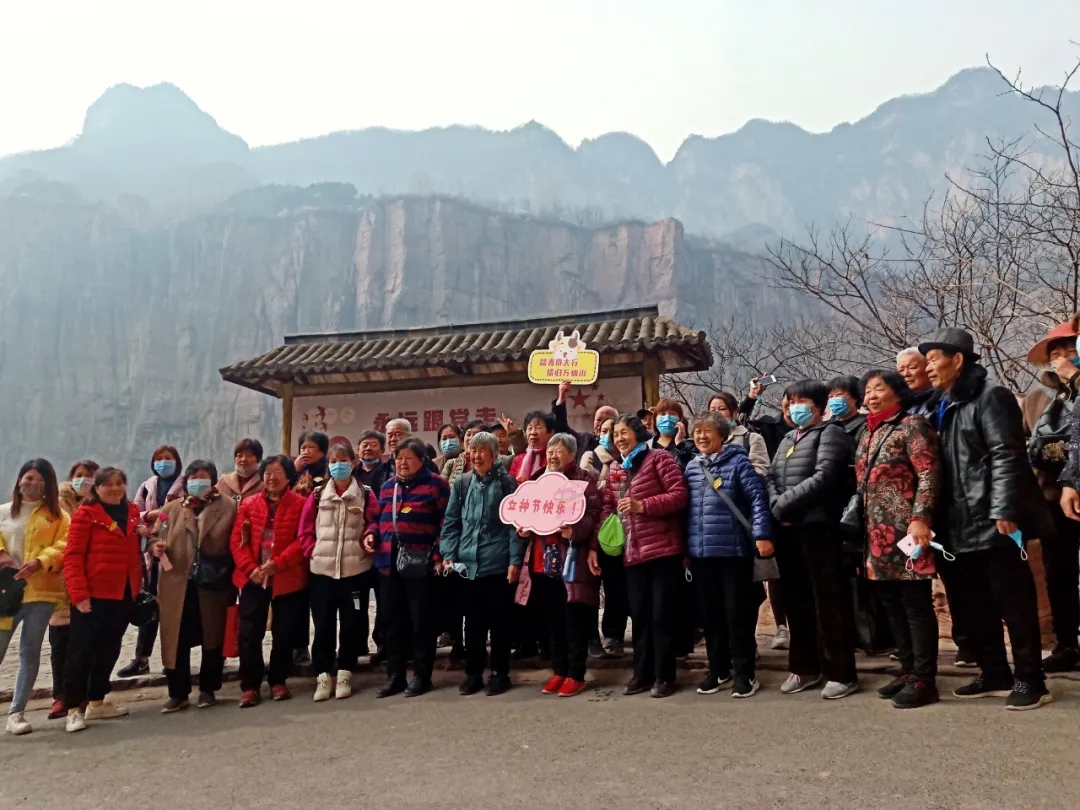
[{"x": 902, "y": 483}]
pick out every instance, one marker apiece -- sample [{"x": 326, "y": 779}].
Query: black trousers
[
  {"x": 616, "y": 600},
  {"x": 302, "y": 630},
  {"x": 448, "y": 607},
  {"x": 289, "y": 611},
  {"x": 993, "y": 586},
  {"x": 776, "y": 602},
  {"x": 726, "y": 602},
  {"x": 654, "y": 589},
  {"x": 190, "y": 635},
  {"x": 408, "y": 605},
  {"x": 567, "y": 626},
  {"x": 332, "y": 599},
  {"x": 486, "y": 602},
  {"x": 59, "y": 639},
  {"x": 147, "y": 635},
  {"x": 818, "y": 603},
  {"x": 96, "y": 638},
  {"x": 1061, "y": 559},
  {"x": 529, "y": 632},
  {"x": 909, "y": 607}
]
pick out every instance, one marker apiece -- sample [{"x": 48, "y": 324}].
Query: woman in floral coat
[{"x": 898, "y": 473}]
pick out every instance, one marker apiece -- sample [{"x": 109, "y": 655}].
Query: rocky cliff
[{"x": 111, "y": 336}]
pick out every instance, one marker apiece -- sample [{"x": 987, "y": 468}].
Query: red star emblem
[{"x": 580, "y": 400}]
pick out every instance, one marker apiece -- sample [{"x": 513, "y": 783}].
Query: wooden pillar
[
  {"x": 650, "y": 380},
  {"x": 286, "y": 418}
]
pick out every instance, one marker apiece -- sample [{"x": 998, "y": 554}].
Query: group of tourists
[{"x": 854, "y": 497}]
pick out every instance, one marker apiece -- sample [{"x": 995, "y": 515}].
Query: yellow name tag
[
  {"x": 356, "y": 509},
  {"x": 406, "y": 509},
  {"x": 790, "y": 450},
  {"x": 719, "y": 482}
]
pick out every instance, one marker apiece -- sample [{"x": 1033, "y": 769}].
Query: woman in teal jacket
[{"x": 475, "y": 544}]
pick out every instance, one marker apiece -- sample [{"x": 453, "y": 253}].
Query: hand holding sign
[{"x": 546, "y": 505}]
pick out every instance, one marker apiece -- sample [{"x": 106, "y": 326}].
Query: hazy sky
[{"x": 275, "y": 71}]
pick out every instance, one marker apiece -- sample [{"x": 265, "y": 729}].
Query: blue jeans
[{"x": 34, "y": 617}]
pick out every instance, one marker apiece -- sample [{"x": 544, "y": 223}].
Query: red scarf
[{"x": 876, "y": 420}]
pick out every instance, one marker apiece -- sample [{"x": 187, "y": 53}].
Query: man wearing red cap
[{"x": 1048, "y": 450}]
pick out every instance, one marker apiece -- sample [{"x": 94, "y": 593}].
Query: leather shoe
[
  {"x": 418, "y": 686},
  {"x": 393, "y": 686}
]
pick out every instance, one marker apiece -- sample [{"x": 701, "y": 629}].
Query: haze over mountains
[{"x": 157, "y": 247}]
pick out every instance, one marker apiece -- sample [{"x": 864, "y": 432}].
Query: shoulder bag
[
  {"x": 411, "y": 562},
  {"x": 765, "y": 568},
  {"x": 853, "y": 519}
]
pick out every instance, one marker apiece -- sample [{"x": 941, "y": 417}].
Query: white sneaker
[
  {"x": 106, "y": 711},
  {"x": 323, "y": 687},
  {"x": 798, "y": 683},
  {"x": 76, "y": 721},
  {"x": 781, "y": 639},
  {"x": 16, "y": 724},
  {"x": 344, "y": 684},
  {"x": 834, "y": 690}
]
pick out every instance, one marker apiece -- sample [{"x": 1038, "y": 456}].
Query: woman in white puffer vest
[{"x": 332, "y": 527}]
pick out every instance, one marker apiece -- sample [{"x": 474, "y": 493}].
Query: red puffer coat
[
  {"x": 657, "y": 481},
  {"x": 286, "y": 552},
  {"x": 99, "y": 559}
]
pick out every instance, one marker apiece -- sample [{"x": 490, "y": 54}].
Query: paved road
[{"x": 530, "y": 751}]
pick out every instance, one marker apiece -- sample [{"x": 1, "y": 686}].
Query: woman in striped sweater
[{"x": 410, "y": 516}]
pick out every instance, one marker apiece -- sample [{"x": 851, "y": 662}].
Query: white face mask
[{"x": 246, "y": 470}]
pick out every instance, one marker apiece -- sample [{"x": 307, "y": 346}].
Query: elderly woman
[
  {"x": 405, "y": 542},
  {"x": 33, "y": 534},
  {"x": 845, "y": 397},
  {"x": 163, "y": 486},
  {"x": 808, "y": 485},
  {"x": 727, "y": 522},
  {"x": 195, "y": 589},
  {"x": 454, "y": 465},
  {"x": 332, "y": 529},
  {"x": 671, "y": 431},
  {"x": 270, "y": 572},
  {"x": 649, "y": 493},
  {"x": 476, "y": 544},
  {"x": 567, "y": 603},
  {"x": 898, "y": 474}
]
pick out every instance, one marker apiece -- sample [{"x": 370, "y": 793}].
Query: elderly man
[
  {"x": 911, "y": 365},
  {"x": 989, "y": 502},
  {"x": 476, "y": 545}
]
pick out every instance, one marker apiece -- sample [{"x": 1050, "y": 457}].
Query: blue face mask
[
  {"x": 82, "y": 484},
  {"x": 165, "y": 467},
  {"x": 838, "y": 406},
  {"x": 197, "y": 487},
  {"x": 1075, "y": 361},
  {"x": 606, "y": 443},
  {"x": 667, "y": 424},
  {"x": 340, "y": 470},
  {"x": 449, "y": 446},
  {"x": 801, "y": 414},
  {"x": 370, "y": 464}
]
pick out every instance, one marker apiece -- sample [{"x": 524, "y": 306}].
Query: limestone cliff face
[{"x": 111, "y": 337}]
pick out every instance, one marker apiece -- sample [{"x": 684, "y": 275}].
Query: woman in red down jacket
[
  {"x": 103, "y": 571},
  {"x": 270, "y": 572},
  {"x": 649, "y": 494}
]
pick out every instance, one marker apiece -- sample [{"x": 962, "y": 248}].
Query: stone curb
[{"x": 770, "y": 661}]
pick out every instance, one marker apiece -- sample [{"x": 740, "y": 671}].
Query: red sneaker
[
  {"x": 249, "y": 698},
  {"x": 281, "y": 692},
  {"x": 553, "y": 685},
  {"x": 57, "y": 711},
  {"x": 571, "y": 687}
]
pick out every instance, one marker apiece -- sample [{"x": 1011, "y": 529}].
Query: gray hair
[
  {"x": 402, "y": 423},
  {"x": 910, "y": 351},
  {"x": 566, "y": 440},
  {"x": 713, "y": 420},
  {"x": 485, "y": 440}
]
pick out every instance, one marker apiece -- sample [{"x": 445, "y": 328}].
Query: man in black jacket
[
  {"x": 809, "y": 483},
  {"x": 989, "y": 502},
  {"x": 911, "y": 365}
]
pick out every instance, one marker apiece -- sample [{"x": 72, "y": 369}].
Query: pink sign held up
[{"x": 545, "y": 505}]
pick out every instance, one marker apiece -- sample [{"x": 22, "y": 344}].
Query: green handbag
[{"x": 612, "y": 536}]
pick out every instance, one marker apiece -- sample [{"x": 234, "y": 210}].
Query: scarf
[
  {"x": 628, "y": 462},
  {"x": 533, "y": 461},
  {"x": 876, "y": 420}
]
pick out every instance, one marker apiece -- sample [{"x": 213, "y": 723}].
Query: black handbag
[
  {"x": 11, "y": 592},
  {"x": 144, "y": 610},
  {"x": 412, "y": 562},
  {"x": 213, "y": 573}
]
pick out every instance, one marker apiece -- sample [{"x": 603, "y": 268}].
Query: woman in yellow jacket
[{"x": 33, "y": 534}]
